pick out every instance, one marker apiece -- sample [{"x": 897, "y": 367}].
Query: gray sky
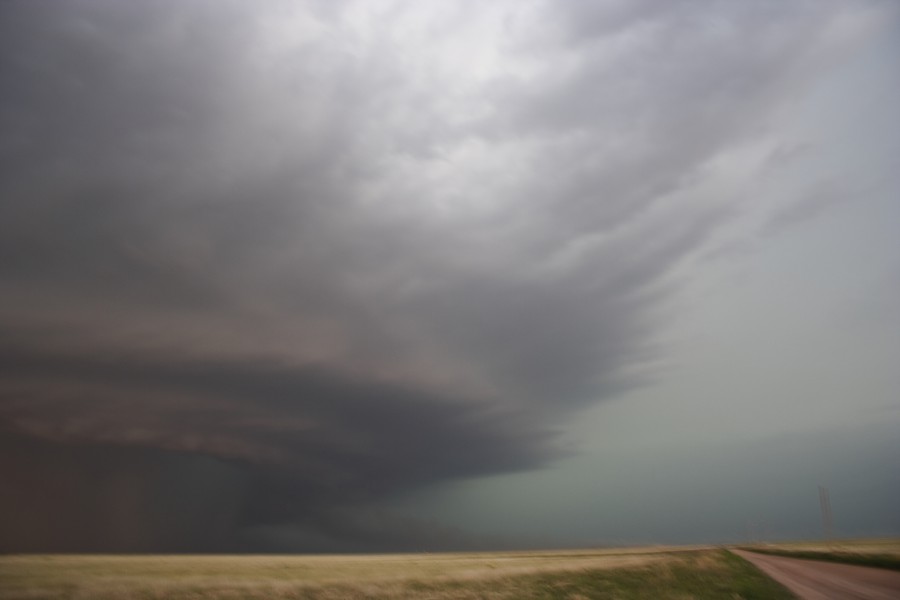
[{"x": 363, "y": 276}]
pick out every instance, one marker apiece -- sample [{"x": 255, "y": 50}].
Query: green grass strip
[{"x": 706, "y": 575}]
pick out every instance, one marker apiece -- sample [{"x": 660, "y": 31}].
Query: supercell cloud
[{"x": 266, "y": 264}]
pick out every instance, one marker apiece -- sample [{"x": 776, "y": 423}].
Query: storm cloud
[{"x": 277, "y": 261}]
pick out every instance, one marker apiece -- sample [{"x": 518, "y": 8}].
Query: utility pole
[{"x": 825, "y": 504}]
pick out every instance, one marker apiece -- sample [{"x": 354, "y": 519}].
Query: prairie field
[
  {"x": 859, "y": 546},
  {"x": 578, "y": 574},
  {"x": 881, "y": 553}
]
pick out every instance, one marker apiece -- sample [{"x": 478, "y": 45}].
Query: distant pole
[{"x": 825, "y": 503}]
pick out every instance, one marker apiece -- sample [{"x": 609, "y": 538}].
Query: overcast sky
[{"x": 396, "y": 275}]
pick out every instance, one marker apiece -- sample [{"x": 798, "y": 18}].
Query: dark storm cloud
[
  {"x": 300, "y": 442},
  {"x": 309, "y": 417},
  {"x": 297, "y": 245}
]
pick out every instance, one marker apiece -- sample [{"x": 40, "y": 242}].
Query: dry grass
[
  {"x": 889, "y": 546},
  {"x": 880, "y": 553},
  {"x": 495, "y": 576}
]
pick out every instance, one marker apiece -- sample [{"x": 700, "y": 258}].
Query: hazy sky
[{"x": 387, "y": 275}]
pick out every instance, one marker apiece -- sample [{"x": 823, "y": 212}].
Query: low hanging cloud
[{"x": 312, "y": 255}]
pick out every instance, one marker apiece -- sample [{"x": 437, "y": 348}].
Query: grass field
[
  {"x": 883, "y": 553},
  {"x": 576, "y": 575}
]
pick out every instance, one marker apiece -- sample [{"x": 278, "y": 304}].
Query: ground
[{"x": 632, "y": 573}]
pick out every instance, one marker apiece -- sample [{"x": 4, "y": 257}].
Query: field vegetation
[
  {"x": 883, "y": 554},
  {"x": 576, "y": 575}
]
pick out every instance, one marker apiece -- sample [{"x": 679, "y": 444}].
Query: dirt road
[{"x": 817, "y": 580}]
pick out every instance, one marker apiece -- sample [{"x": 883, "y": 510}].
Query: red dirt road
[{"x": 817, "y": 580}]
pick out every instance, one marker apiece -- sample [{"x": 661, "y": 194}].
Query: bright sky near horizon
[{"x": 387, "y": 275}]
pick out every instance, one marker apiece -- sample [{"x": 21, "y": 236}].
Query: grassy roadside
[
  {"x": 706, "y": 575},
  {"x": 863, "y": 559},
  {"x": 699, "y": 574}
]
